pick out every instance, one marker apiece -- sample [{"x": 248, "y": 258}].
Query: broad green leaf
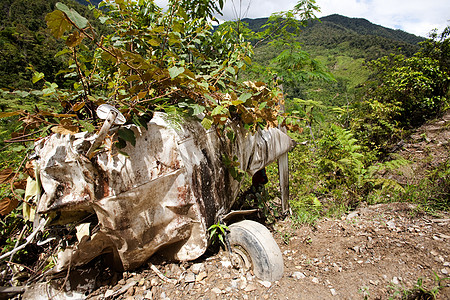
[
  {"x": 64, "y": 51},
  {"x": 86, "y": 125},
  {"x": 197, "y": 109},
  {"x": 231, "y": 70},
  {"x": 22, "y": 94},
  {"x": 175, "y": 71},
  {"x": 74, "y": 39},
  {"x": 206, "y": 123},
  {"x": 37, "y": 76},
  {"x": 103, "y": 19},
  {"x": 245, "y": 96},
  {"x": 128, "y": 135},
  {"x": 219, "y": 110},
  {"x": 58, "y": 23},
  {"x": 80, "y": 21},
  {"x": 154, "y": 42}
]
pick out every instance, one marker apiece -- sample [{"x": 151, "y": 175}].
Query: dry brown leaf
[
  {"x": 6, "y": 175},
  {"x": 29, "y": 168},
  {"x": 65, "y": 130},
  {"x": 7, "y": 205},
  {"x": 22, "y": 184}
]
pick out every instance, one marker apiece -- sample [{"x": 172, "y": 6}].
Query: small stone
[
  {"x": 315, "y": 280},
  {"x": 250, "y": 288},
  {"x": 109, "y": 293},
  {"x": 202, "y": 275},
  {"x": 444, "y": 271},
  {"x": 148, "y": 295},
  {"x": 446, "y": 264},
  {"x": 243, "y": 284},
  {"x": 433, "y": 252},
  {"x": 333, "y": 292},
  {"x": 298, "y": 275},
  {"x": 374, "y": 282},
  {"x": 360, "y": 261},
  {"x": 436, "y": 238},
  {"x": 196, "y": 268},
  {"x": 190, "y": 277},
  {"x": 235, "y": 284},
  {"x": 395, "y": 281},
  {"x": 226, "y": 263},
  {"x": 216, "y": 290},
  {"x": 267, "y": 284},
  {"x": 391, "y": 224}
]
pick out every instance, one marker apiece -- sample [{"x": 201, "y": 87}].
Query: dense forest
[{"x": 353, "y": 92}]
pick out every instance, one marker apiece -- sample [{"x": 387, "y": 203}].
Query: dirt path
[{"x": 375, "y": 252}]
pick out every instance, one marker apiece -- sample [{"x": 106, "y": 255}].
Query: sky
[{"x": 418, "y": 17}]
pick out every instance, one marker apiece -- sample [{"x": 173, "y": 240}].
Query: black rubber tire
[{"x": 263, "y": 252}]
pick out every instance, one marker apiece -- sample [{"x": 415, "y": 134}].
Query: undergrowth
[
  {"x": 419, "y": 291},
  {"x": 335, "y": 175}
]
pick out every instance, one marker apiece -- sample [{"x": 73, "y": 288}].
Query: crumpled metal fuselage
[{"x": 162, "y": 195}]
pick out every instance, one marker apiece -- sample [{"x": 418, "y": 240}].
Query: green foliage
[
  {"x": 218, "y": 232},
  {"x": 10, "y": 229},
  {"x": 430, "y": 193},
  {"x": 402, "y": 93},
  {"x": 419, "y": 291},
  {"x": 24, "y": 41}
]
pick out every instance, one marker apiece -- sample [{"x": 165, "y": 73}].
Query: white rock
[
  {"x": 243, "y": 283},
  {"x": 267, "y": 284},
  {"x": 298, "y": 275},
  {"x": 333, "y": 292},
  {"x": 315, "y": 280},
  {"x": 395, "y": 281},
  {"x": 216, "y": 290},
  {"x": 196, "y": 268},
  {"x": 444, "y": 271},
  {"x": 109, "y": 293},
  {"x": 250, "y": 288},
  {"x": 391, "y": 224},
  {"x": 190, "y": 277},
  {"x": 226, "y": 263}
]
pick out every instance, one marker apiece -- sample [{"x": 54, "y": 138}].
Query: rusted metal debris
[{"x": 161, "y": 196}]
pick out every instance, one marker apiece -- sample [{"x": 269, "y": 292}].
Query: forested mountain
[
  {"x": 26, "y": 43},
  {"x": 359, "y": 37}
]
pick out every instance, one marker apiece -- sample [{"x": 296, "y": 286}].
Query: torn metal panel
[{"x": 164, "y": 194}]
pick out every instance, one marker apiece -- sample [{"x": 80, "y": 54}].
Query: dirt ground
[{"x": 375, "y": 252}]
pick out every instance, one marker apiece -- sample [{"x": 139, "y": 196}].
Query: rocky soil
[{"x": 375, "y": 252}]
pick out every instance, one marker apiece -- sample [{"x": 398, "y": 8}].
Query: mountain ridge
[{"x": 359, "y": 26}]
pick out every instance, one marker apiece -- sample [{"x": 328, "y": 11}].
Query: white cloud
[{"x": 413, "y": 16}]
